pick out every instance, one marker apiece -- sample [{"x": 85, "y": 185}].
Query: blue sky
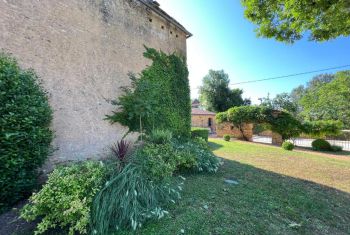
[{"x": 224, "y": 39}]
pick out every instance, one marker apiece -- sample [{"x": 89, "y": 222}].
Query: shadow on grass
[
  {"x": 214, "y": 146},
  {"x": 263, "y": 202}
]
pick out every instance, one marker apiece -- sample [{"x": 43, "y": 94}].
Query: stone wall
[
  {"x": 228, "y": 129},
  {"x": 202, "y": 121},
  {"x": 83, "y": 50}
]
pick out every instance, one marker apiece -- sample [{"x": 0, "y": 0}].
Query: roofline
[{"x": 154, "y": 7}]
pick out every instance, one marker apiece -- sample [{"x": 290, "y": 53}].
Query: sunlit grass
[{"x": 279, "y": 192}]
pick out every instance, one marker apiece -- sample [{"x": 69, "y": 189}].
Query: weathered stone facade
[
  {"x": 83, "y": 50},
  {"x": 227, "y": 128}
]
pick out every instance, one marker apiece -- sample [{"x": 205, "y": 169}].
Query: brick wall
[{"x": 83, "y": 50}]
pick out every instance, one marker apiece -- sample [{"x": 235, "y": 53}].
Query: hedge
[
  {"x": 200, "y": 132},
  {"x": 25, "y": 137}
]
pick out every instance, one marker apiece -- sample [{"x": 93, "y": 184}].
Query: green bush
[
  {"x": 227, "y": 137},
  {"x": 200, "y": 132},
  {"x": 321, "y": 145},
  {"x": 288, "y": 146},
  {"x": 158, "y": 161},
  {"x": 129, "y": 199},
  {"x": 160, "y": 136},
  {"x": 336, "y": 148},
  {"x": 206, "y": 161},
  {"x": 160, "y": 97},
  {"x": 66, "y": 198},
  {"x": 25, "y": 137}
]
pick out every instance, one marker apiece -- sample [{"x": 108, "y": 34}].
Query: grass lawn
[{"x": 279, "y": 192}]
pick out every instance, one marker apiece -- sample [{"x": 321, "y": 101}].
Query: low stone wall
[{"x": 228, "y": 129}]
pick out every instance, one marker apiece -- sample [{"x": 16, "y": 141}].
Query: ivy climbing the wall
[{"x": 159, "y": 98}]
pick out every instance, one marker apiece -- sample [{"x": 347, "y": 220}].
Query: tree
[
  {"x": 215, "y": 94},
  {"x": 281, "y": 102},
  {"x": 289, "y": 20},
  {"x": 280, "y": 122},
  {"x": 329, "y": 101}
]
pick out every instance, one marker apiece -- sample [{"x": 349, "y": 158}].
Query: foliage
[
  {"x": 328, "y": 101},
  {"x": 129, "y": 199},
  {"x": 279, "y": 121},
  {"x": 239, "y": 116},
  {"x": 336, "y": 148},
  {"x": 199, "y": 132},
  {"x": 160, "y": 97},
  {"x": 322, "y": 128},
  {"x": 284, "y": 124},
  {"x": 160, "y": 136},
  {"x": 282, "y": 102},
  {"x": 25, "y": 137},
  {"x": 120, "y": 151},
  {"x": 227, "y": 137},
  {"x": 215, "y": 94},
  {"x": 321, "y": 145},
  {"x": 288, "y": 146},
  {"x": 157, "y": 160},
  {"x": 288, "y": 20},
  {"x": 66, "y": 198}
]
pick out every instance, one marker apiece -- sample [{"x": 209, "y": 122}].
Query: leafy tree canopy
[
  {"x": 215, "y": 94},
  {"x": 329, "y": 100},
  {"x": 283, "y": 102},
  {"x": 289, "y": 20}
]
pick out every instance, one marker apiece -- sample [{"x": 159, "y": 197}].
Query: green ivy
[
  {"x": 159, "y": 98},
  {"x": 25, "y": 137}
]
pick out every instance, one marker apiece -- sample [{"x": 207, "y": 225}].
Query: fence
[{"x": 305, "y": 142}]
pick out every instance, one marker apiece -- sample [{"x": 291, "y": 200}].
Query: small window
[
  {"x": 171, "y": 32},
  {"x": 150, "y": 20},
  {"x": 177, "y": 35},
  {"x": 162, "y": 26}
]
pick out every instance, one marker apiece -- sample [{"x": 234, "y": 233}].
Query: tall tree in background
[
  {"x": 215, "y": 94},
  {"x": 330, "y": 100},
  {"x": 289, "y": 20},
  {"x": 283, "y": 102}
]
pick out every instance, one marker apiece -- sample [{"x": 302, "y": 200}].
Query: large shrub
[
  {"x": 160, "y": 98},
  {"x": 200, "y": 132},
  {"x": 66, "y": 198},
  {"x": 158, "y": 161},
  {"x": 198, "y": 149},
  {"x": 25, "y": 137},
  {"x": 321, "y": 145},
  {"x": 129, "y": 199}
]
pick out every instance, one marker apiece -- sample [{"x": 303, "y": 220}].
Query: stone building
[
  {"x": 83, "y": 50},
  {"x": 204, "y": 119}
]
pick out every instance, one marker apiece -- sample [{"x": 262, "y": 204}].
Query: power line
[{"x": 291, "y": 75}]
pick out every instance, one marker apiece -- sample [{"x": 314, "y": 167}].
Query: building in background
[{"x": 204, "y": 119}]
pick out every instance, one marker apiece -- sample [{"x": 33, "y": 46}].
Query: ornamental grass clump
[
  {"x": 121, "y": 151},
  {"x": 129, "y": 199}
]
